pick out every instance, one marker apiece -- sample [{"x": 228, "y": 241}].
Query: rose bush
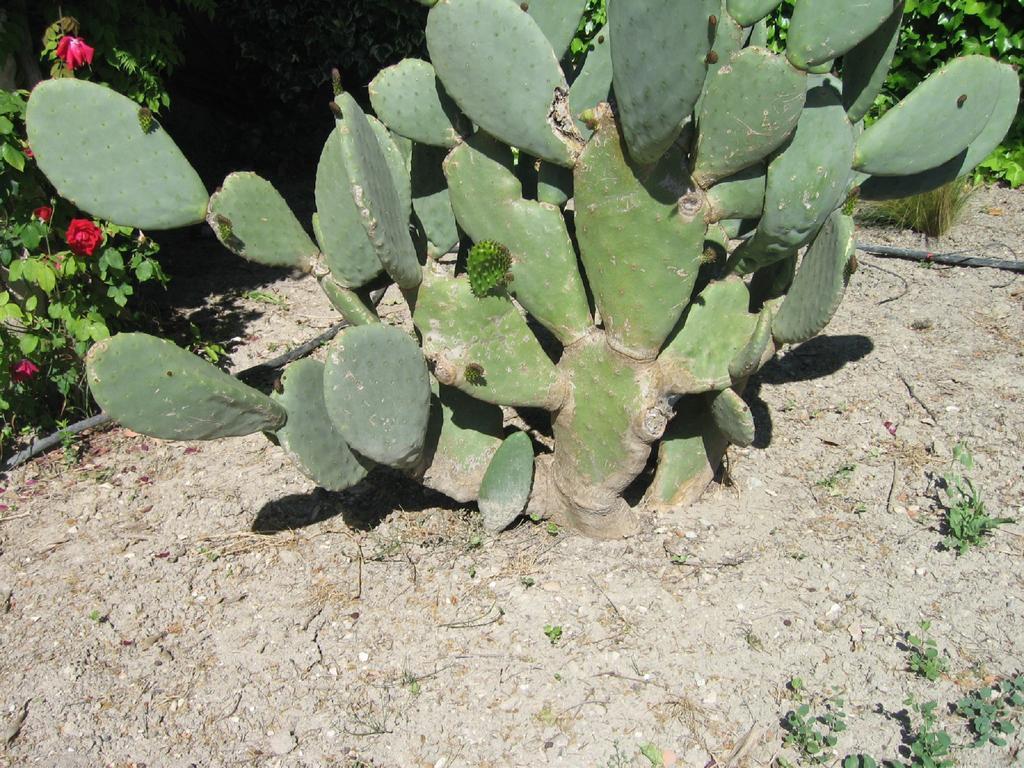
[{"x": 65, "y": 282}]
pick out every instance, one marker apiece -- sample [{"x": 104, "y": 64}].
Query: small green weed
[
  {"x": 554, "y": 633},
  {"x": 812, "y": 736},
  {"x": 527, "y": 581},
  {"x": 859, "y": 761},
  {"x": 925, "y": 659},
  {"x": 840, "y": 475},
  {"x": 552, "y": 529},
  {"x": 653, "y": 754},
  {"x": 967, "y": 521},
  {"x": 929, "y": 748},
  {"x": 990, "y": 711},
  {"x": 266, "y": 297}
]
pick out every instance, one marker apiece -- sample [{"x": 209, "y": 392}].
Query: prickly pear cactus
[{"x": 566, "y": 240}]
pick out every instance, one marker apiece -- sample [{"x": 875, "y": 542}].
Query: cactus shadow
[
  {"x": 818, "y": 358},
  {"x": 361, "y": 508}
]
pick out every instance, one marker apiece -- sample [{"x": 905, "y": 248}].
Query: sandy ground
[{"x": 169, "y": 604}]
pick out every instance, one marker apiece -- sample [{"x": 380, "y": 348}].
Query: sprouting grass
[{"x": 932, "y": 213}]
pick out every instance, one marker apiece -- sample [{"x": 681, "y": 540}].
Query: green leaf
[
  {"x": 6, "y": 126},
  {"x": 28, "y": 344},
  {"x": 13, "y": 156}
]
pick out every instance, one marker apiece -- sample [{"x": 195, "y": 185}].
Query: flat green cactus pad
[
  {"x": 593, "y": 85},
  {"x": 750, "y": 107},
  {"x": 473, "y": 45},
  {"x": 463, "y": 435},
  {"x": 350, "y": 304},
  {"x": 866, "y": 66},
  {"x": 641, "y": 267},
  {"x": 819, "y": 283},
  {"x": 757, "y": 347},
  {"x": 88, "y": 141},
  {"x": 506, "y": 485},
  {"x": 156, "y": 388},
  {"x": 740, "y": 196},
  {"x": 821, "y": 30},
  {"x": 558, "y": 20},
  {"x": 720, "y": 313},
  {"x": 431, "y": 200},
  {"x": 487, "y": 336},
  {"x": 659, "y": 56},
  {"x": 806, "y": 181},
  {"x": 488, "y": 202},
  {"x": 733, "y": 418},
  {"x": 411, "y": 101},
  {"x": 251, "y": 219},
  {"x": 309, "y": 438},
  {"x": 991, "y": 136},
  {"x": 688, "y": 456},
  {"x": 749, "y": 12},
  {"x": 377, "y": 393},
  {"x": 951, "y": 107},
  {"x": 383, "y": 212},
  {"x": 349, "y": 253}
]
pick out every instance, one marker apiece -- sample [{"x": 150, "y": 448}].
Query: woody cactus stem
[{"x": 638, "y": 335}]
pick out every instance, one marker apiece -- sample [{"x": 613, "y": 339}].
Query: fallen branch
[{"x": 956, "y": 259}]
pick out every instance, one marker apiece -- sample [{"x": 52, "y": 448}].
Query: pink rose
[
  {"x": 23, "y": 370},
  {"x": 43, "y": 213},
  {"x": 27, "y": 152},
  {"x": 74, "y": 52}
]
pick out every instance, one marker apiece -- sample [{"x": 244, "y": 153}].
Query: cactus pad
[
  {"x": 473, "y": 45},
  {"x": 659, "y": 59},
  {"x": 251, "y": 219},
  {"x": 951, "y": 107},
  {"x": 156, "y": 388},
  {"x": 506, "y": 485},
  {"x": 309, "y": 437},
  {"x": 377, "y": 393},
  {"x": 88, "y": 141},
  {"x": 819, "y": 283},
  {"x": 382, "y": 210},
  {"x": 411, "y": 101},
  {"x": 733, "y": 418},
  {"x": 815, "y": 37}
]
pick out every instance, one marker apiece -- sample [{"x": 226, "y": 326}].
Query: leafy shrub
[
  {"x": 137, "y": 43},
  {"x": 65, "y": 282},
  {"x": 295, "y": 44}
]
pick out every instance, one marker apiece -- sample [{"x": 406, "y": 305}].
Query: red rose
[
  {"x": 43, "y": 213},
  {"x": 74, "y": 52},
  {"x": 27, "y": 152},
  {"x": 83, "y": 236},
  {"x": 23, "y": 370}
]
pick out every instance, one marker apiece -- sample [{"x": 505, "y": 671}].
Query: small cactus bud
[
  {"x": 488, "y": 266},
  {"x": 589, "y": 118},
  {"x": 524, "y": 6},
  {"x": 709, "y": 255},
  {"x": 278, "y": 386},
  {"x": 475, "y": 375},
  {"x": 145, "y": 119},
  {"x": 600, "y": 38},
  {"x": 336, "y": 81},
  {"x": 713, "y": 20},
  {"x": 711, "y": 58},
  {"x": 962, "y": 100},
  {"x": 224, "y": 230}
]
